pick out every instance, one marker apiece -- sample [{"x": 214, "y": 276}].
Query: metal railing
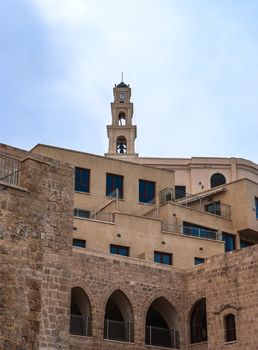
[
  {"x": 118, "y": 330},
  {"x": 80, "y": 325},
  {"x": 9, "y": 170},
  {"x": 185, "y": 199},
  {"x": 166, "y": 338},
  {"x": 171, "y": 227},
  {"x": 200, "y": 232}
]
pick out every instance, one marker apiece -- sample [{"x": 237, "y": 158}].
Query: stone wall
[
  {"x": 35, "y": 241},
  {"x": 229, "y": 282}
]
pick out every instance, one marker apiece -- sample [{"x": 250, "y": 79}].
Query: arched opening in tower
[{"x": 121, "y": 145}]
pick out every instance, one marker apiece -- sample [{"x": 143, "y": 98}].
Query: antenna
[{"x": 122, "y": 75}]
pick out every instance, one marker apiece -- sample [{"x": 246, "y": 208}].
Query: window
[
  {"x": 245, "y": 244},
  {"x": 114, "y": 185},
  {"x": 82, "y": 180},
  {"x": 230, "y": 327},
  {"x": 163, "y": 258},
  {"x": 198, "y": 323},
  {"x": 81, "y": 213},
  {"x": 146, "y": 191},
  {"x": 256, "y": 207},
  {"x": 119, "y": 249},
  {"x": 213, "y": 208},
  {"x": 217, "y": 180},
  {"x": 180, "y": 192},
  {"x": 81, "y": 243},
  {"x": 198, "y": 261},
  {"x": 80, "y": 313},
  {"x": 229, "y": 241}
]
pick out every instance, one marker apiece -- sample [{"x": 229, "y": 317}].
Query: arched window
[
  {"x": 121, "y": 146},
  {"x": 80, "y": 315},
  {"x": 121, "y": 118},
  {"x": 162, "y": 325},
  {"x": 198, "y": 322},
  {"x": 118, "y": 318},
  {"x": 230, "y": 327},
  {"x": 217, "y": 180}
]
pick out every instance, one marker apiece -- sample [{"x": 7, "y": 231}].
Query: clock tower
[{"x": 121, "y": 133}]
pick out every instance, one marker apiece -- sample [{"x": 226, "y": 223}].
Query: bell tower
[{"x": 121, "y": 133}]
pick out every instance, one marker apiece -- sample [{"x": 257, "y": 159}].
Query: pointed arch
[
  {"x": 162, "y": 324},
  {"x": 118, "y": 319},
  {"x": 80, "y": 312},
  {"x": 121, "y": 145},
  {"x": 198, "y": 322}
]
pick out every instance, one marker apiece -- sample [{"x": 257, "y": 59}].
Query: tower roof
[{"x": 122, "y": 85}]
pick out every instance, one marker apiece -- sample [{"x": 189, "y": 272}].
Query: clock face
[{"x": 122, "y": 95}]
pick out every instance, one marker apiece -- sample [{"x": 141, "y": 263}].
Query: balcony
[
  {"x": 201, "y": 202},
  {"x": 162, "y": 337},
  {"x": 118, "y": 330},
  {"x": 9, "y": 170},
  {"x": 80, "y": 325},
  {"x": 193, "y": 231}
]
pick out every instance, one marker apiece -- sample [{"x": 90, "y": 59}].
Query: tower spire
[{"x": 121, "y": 132}]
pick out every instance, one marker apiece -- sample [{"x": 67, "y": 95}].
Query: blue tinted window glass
[
  {"x": 198, "y": 261},
  {"x": 114, "y": 182},
  {"x": 229, "y": 242},
  {"x": 146, "y": 191},
  {"x": 81, "y": 243},
  {"x": 118, "y": 249},
  {"x": 245, "y": 244},
  {"x": 163, "y": 258},
  {"x": 82, "y": 180}
]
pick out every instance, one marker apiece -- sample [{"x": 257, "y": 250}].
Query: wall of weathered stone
[
  {"x": 141, "y": 282},
  {"x": 230, "y": 284},
  {"x": 35, "y": 243}
]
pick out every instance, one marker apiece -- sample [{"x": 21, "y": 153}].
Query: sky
[{"x": 192, "y": 66}]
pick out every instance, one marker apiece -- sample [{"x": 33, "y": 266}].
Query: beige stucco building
[{"x": 123, "y": 252}]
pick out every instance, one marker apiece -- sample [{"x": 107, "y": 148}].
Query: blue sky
[{"x": 192, "y": 66}]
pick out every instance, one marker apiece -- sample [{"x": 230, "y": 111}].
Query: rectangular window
[
  {"x": 245, "y": 244},
  {"x": 229, "y": 241},
  {"x": 213, "y": 208},
  {"x": 180, "y": 192},
  {"x": 256, "y": 207},
  {"x": 146, "y": 191},
  {"x": 198, "y": 261},
  {"x": 163, "y": 258},
  {"x": 82, "y": 180},
  {"x": 81, "y": 213},
  {"x": 114, "y": 185},
  {"x": 119, "y": 249},
  {"x": 80, "y": 243}
]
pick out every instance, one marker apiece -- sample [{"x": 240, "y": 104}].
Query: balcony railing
[
  {"x": 166, "y": 338},
  {"x": 201, "y": 232},
  {"x": 80, "y": 325},
  {"x": 9, "y": 170},
  {"x": 186, "y": 199},
  {"x": 117, "y": 330}
]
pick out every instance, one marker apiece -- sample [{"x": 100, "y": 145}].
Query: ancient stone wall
[
  {"x": 35, "y": 241},
  {"x": 229, "y": 282}
]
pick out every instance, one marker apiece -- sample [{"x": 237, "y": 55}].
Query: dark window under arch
[
  {"x": 198, "y": 323},
  {"x": 118, "y": 318},
  {"x": 217, "y": 180},
  {"x": 80, "y": 314},
  {"x": 230, "y": 327},
  {"x": 162, "y": 325}
]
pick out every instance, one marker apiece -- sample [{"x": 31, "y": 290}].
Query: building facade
[{"x": 113, "y": 252}]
